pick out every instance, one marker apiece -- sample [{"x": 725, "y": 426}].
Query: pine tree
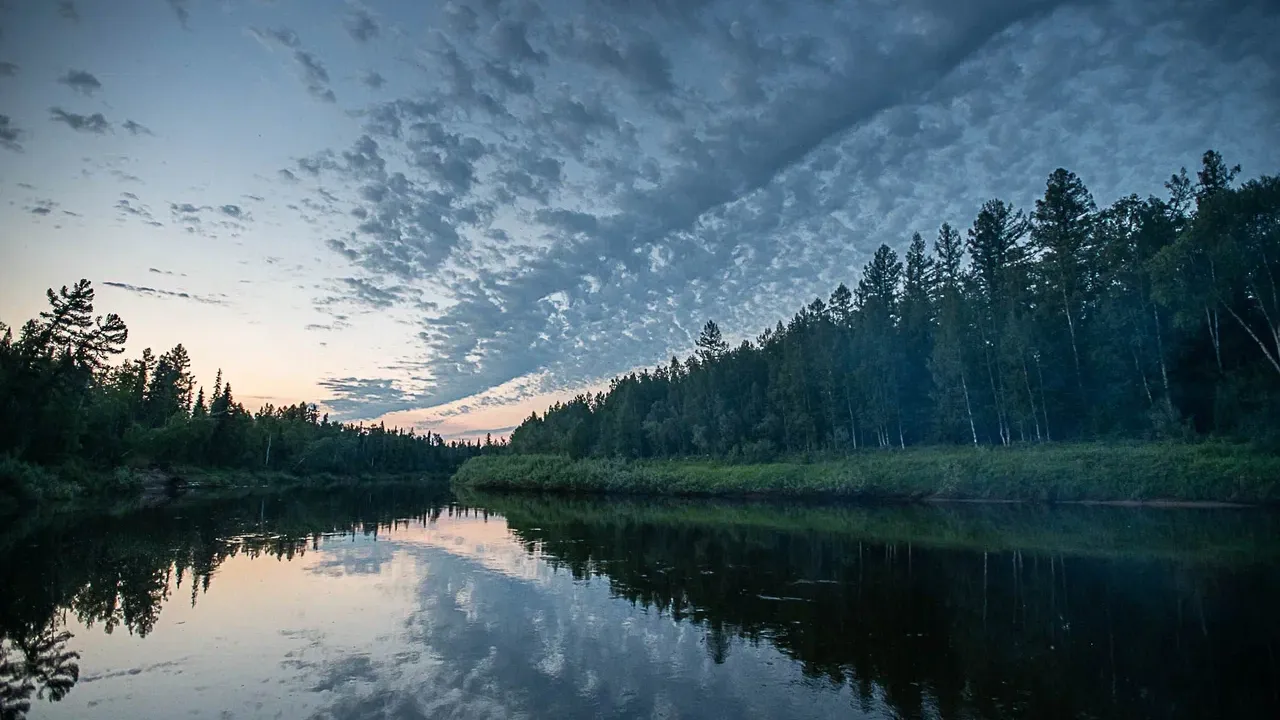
[
  {"x": 711, "y": 346},
  {"x": 997, "y": 278},
  {"x": 1062, "y": 234},
  {"x": 917, "y": 331},
  {"x": 953, "y": 405},
  {"x": 199, "y": 410}
]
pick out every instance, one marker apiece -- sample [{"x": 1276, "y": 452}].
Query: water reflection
[{"x": 396, "y": 603}]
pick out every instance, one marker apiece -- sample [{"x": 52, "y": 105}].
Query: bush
[{"x": 22, "y": 483}]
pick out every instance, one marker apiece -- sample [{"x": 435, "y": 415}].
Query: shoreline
[
  {"x": 1160, "y": 475},
  {"x": 137, "y": 488}
]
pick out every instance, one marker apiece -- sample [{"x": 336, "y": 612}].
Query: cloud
[
  {"x": 282, "y": 35},
  {"x": 182, "y": 12},
  {"x": 81, "y": 81},
  {"x": 9, "y": 134},
  {"x": 373, "y": 80},
  {"x": 228, "y": 217},
  {"x": 361, "y": 25},
  {"x": 43, "y": 207},
  {"x": 315, "y": 75},
  {"x": 511, "y": 39},
  {"x": 581, "y": 190},
  {"x": 312, "y": 70},
  {"x": 67, "y": 11},
  {"x": 158, "y": 271},
  {"x": 186, "y": 208},
  {"x": 128, "y": 204},
  {"x": 338, "y": 322},
  {"x": 8, "y": 69},
  {"x": 287, "y": 175},
  {"x": 165, "y": 294},
  {"x": 371, "y": 294},
  {"x": 136, "y": 128},
  {"x": 365, "y": 398},
  {"x": 639, "y": 59},
  {"x": 94, "y": 123}
]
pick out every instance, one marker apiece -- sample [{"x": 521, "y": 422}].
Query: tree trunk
[
  {"x": 1137, "y": 365},
  {"x": 968, "y": 407},
  {"x": 1275, "y": 362},
  {"x": 1044, "y": 404},
  {"x": 1164, "y": 372},
  {"x": 1031, "y": 398},
  {"x": 1211, "y": 319},
  {"x": 1075, "y": 350},
  {"x": 853, "y": 426}
]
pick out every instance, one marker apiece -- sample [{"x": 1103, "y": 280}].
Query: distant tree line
[
  {"x": 1150, "y": 318},
  {"x": 63, "y": 402}
]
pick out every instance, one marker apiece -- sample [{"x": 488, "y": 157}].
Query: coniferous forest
[
  {"x": 1153, "y": 318},
  {"x": 65, "y": 404}
]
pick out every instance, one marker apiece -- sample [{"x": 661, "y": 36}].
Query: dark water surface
[{"x": 399, "y": 603}]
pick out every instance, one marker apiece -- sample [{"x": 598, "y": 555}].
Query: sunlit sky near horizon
[{"x": 447, "y": 214}]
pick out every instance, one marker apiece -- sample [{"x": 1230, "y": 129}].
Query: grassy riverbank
[
  {"x": 1093, "y": 472},
  {"x": 72, "y": 486}
]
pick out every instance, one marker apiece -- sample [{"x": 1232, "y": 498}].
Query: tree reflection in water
[
  {"x": 921, "y": 612},
  {"x": 118, "y": 572},
  {"x": 1114, "y": 612},
  {"x": 38, "y": 664}
]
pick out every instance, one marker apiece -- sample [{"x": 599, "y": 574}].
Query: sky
[{"x": 448, "y": 214}]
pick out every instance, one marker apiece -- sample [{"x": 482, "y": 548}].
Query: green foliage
[
  {"x": 1094, "y": 472},
  {"x": 70, "y": 420},
  {"x": 1149, "y": 319}
]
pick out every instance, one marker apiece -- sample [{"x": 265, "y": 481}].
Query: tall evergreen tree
[{"x": 1062, "y": 235}]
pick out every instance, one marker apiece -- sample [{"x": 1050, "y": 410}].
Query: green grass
[{"x": 1097, "y": 472}]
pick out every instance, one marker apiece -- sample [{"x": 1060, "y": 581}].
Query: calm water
[{"x": 396, "y": 604}]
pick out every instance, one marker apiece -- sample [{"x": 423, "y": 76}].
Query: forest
[
  {"x": 1153, "y": 318},
  {"x": 72, "y": 419}
]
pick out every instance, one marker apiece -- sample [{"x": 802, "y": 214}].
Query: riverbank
[
  {"x": 1084, "y": 472},
  {"x": 73, "y": 487}
]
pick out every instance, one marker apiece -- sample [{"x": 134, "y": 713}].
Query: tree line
[
  {"x": 63, "y": 402},
  {"x": 1151, "y": 318}
]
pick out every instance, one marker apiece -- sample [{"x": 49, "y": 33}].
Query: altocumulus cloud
[
  {"x": 94, "y": 123},
  {"x": 182, "y": 12},
  {"x": 366, "y": 398},
  {"x": 135, "y": 128},
  {"x": 67, "y": 11},
  {"x": 9, "y": 134},
  {"x": 314, "y": 74},
  {"x": 361, "y": 25},
  {"x": 81, "y": 81},
  {"x": 665, "y": 164},
  {"x": 167, "y": 294}
]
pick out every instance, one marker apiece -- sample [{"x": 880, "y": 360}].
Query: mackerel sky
[{"x": 447, "y": 213}]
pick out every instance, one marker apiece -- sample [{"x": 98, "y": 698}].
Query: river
[{"x": 396, "y": 602}]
